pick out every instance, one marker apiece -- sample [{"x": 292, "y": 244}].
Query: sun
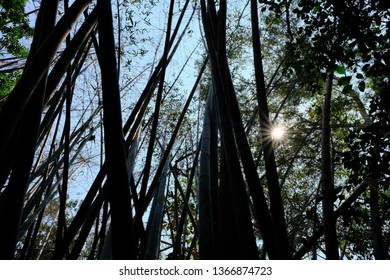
[{"x": 278, "y": 133}]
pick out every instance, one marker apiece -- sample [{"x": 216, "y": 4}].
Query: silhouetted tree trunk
[
  {"x": 276, "y": 203},
  {"x": 376, "y": 225},
  {"x": 328, "y": 194},
  {"x": 18, "y": 99},
  {"x": 153, "y": 134},
  {"x": 11, "y": 209},
  {"x": 123, "y": 243},
  {"x": 151, "y": 244},
  {"x": 205, "y": 202},
  {"x": 215, "y": 33}
]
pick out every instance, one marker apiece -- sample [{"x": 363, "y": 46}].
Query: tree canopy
[{"x": 194, "y": 129}]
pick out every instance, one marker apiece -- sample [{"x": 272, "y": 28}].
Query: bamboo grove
[{"x": 171, "y": 165}]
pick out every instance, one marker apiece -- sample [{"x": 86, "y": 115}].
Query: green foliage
[
  {"x": 340, "y": 70},
  {"x": 368, "y": 153},
  {"x": 368, "y": 158},
  {"x": 43, "y": 247},
  {"x": 14, "y": 26},
  {"x": 341, "y": 32},
  {"x": 7, "y": 82}
]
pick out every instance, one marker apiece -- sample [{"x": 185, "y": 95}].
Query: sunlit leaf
[{"x": 340, "y": 70}]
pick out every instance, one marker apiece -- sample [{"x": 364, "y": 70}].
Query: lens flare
[{"x": 278, "y": 133}]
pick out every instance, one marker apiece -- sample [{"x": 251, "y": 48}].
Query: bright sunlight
[{"x": 278, "y": 133}]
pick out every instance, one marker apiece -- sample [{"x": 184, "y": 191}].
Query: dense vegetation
[{"x": 194, "y": 129}]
